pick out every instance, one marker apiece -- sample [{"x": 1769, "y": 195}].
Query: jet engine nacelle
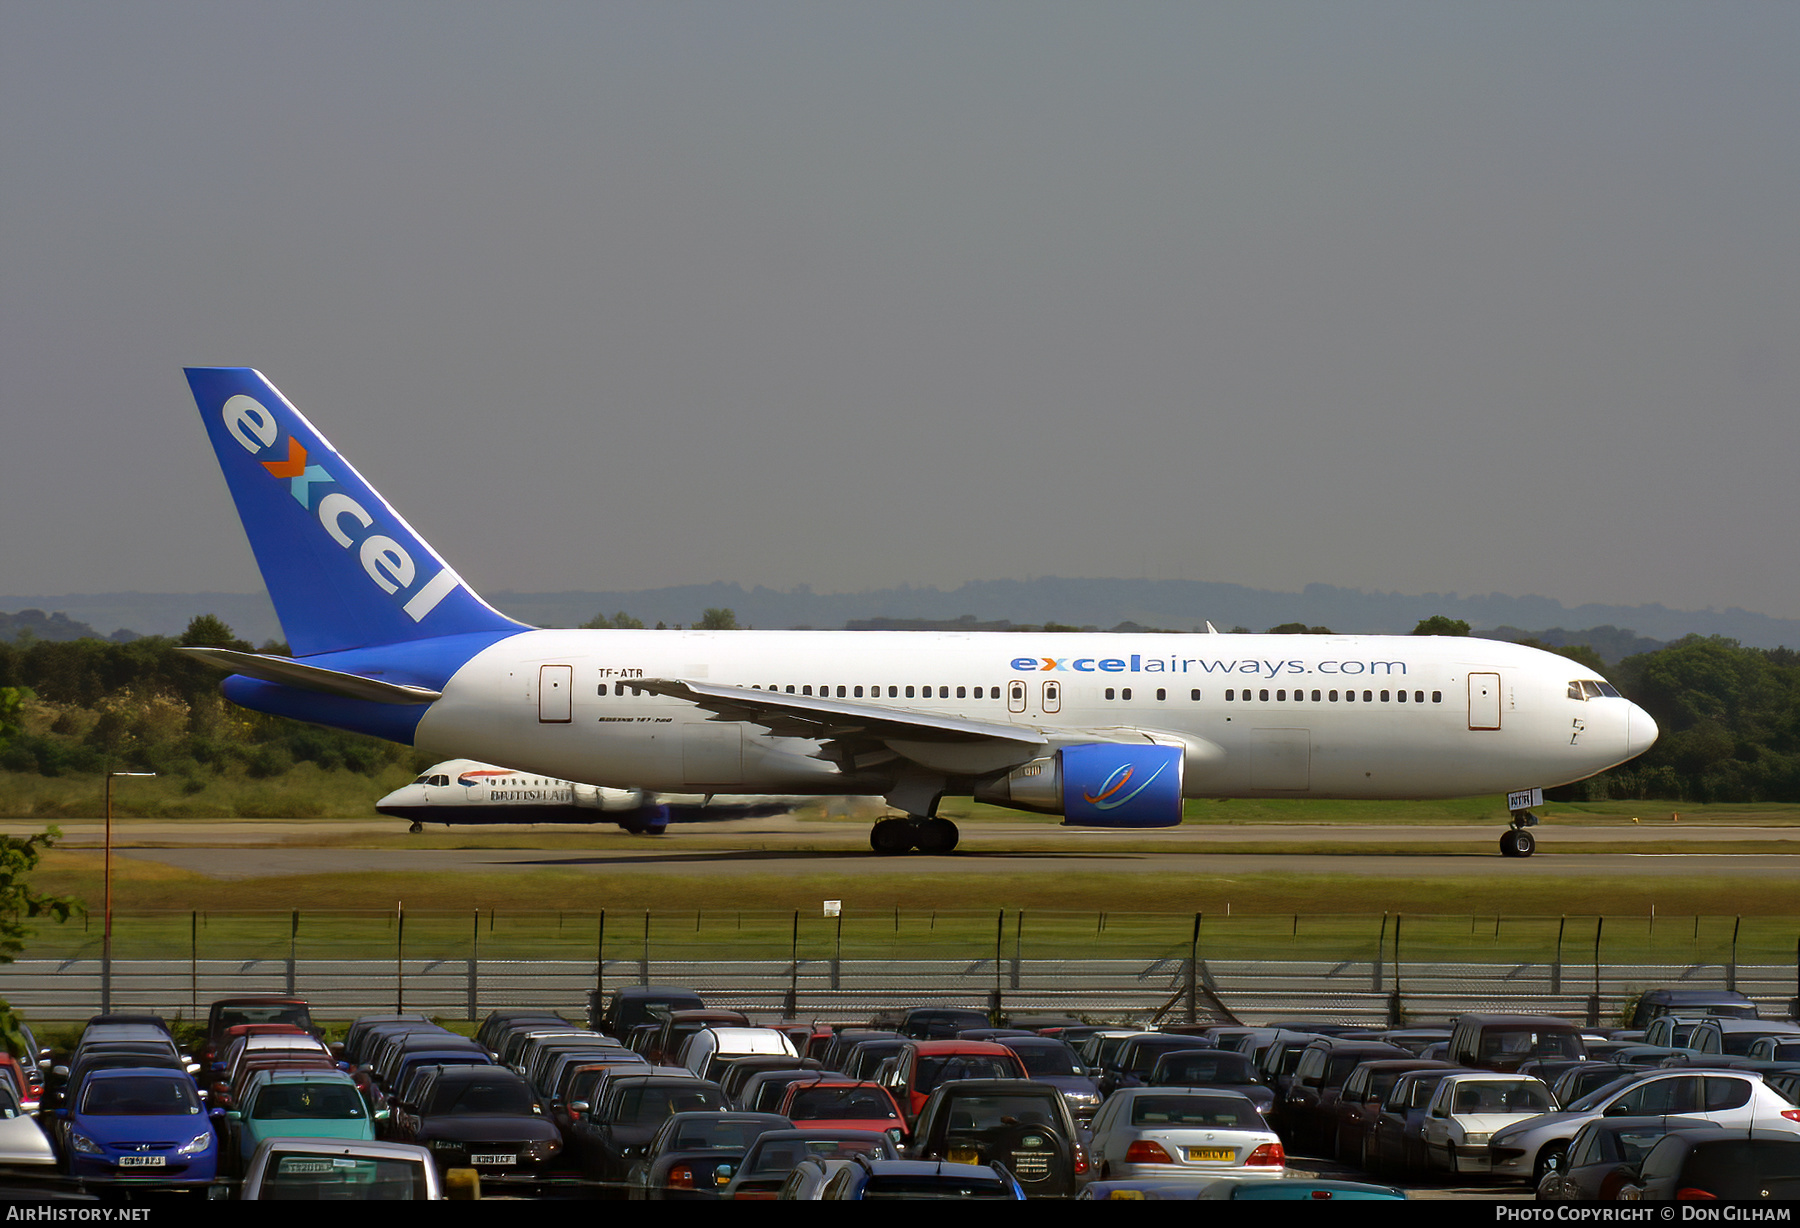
[
  {"x": 1097, "y": 784},
  {"x": 612, "y": 801}
]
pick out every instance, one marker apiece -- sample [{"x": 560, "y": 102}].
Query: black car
[
  {"x": 480, "y": 1117},
  {"x": 695, "y": 1155},
  {"x": 1605, "y": 1155},
  {"x": 1719, "y": 1164},
  {"x": 608, "y": 1139},
  {"x": 1020, "y": 1124}
]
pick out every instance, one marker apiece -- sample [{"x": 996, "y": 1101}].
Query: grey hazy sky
[{"x": 1416, "y": 297}]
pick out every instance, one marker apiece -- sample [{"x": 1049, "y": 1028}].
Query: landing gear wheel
[
  {"x": 1517, "y": 842},
  {"x": 936, "y": 836},
  {"x": 891, "y": 836},
  {"x": 416, "y": 828}
]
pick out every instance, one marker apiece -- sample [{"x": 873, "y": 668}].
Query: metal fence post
[
  {"x": 790, "y": 1006},
  {"x": 1593, "y": 1003},
  {"x": 474, "y": 980},
  {"x": 293, "y": 941},
  {"x": 399, "y": 957},
  {"x": 1395, "y": 1012},
  {"x": 1193, "y": 972},
  {"x": 1380, "y": 955}
]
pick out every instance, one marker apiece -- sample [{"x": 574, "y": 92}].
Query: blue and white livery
[{"x": 1107, "y": 730}]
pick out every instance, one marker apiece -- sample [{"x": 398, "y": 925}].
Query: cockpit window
[{"x": 1588, "y": 688}]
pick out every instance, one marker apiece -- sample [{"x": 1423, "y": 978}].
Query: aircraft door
[
  {"x": 556, "y": 688},
  {"x": 1053, "y": 697},
  {"x": 1484, "y": 701}
]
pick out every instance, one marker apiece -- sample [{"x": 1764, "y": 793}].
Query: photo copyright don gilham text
[{"x": 1685, "y": 1213}]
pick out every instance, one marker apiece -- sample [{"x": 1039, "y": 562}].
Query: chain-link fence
[{"x": 1138, "y": 966}]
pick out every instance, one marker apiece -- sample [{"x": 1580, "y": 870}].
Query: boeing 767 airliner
[{"x": 1107, "y": 730}]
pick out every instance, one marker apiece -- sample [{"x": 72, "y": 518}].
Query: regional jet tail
[
  {"x": 1104, "y": 730},
  {"x": 461, "y": 792}
]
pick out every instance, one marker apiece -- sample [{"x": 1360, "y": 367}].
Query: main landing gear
[
  {"x": 901, "y": 835},
  {"x": 1517, "y": 841}
]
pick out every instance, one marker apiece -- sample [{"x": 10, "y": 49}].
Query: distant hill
[
  {"x": 36, "y": 624},
  {"x": 1611, "y": 643},
  {"x": 1179, "y": 604}
]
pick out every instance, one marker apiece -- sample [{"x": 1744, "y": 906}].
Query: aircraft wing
[
  {"x": 861, "y": 735},
  {"x": 285, "y": 671}
]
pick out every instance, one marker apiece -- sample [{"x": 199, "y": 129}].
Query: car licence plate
[
  {"x": 1211, "y": 1155},
  {"x": 493, "y": 1159},
  {"x": 140, "y": 1161}
]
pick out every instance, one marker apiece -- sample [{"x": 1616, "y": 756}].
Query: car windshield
[
  {"x": 1046, "y": 1060},
  {"x": 842, "y": 1104},
  {"x": 959, "y": 1066},
  {"x": 1494, "y": 1096},
  {"x": 769, "y": 1159},
  {"x": 639, "y": 1105},
  {"x": 1200, "y": 1112},
  {"x": 1227, "y": 1069},
  {"x": 299, "y": 1177},
  {"x": 459, "y": 1096},
  {"x": 140, "y": 1096},
  {"x": 965, "y": 1115},
  {"x": 289, "y": 1013},
  {"x": 292, "y": 1101}
]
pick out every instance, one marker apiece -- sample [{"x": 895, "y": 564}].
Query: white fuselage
[{"x": 1338, "y": 716}]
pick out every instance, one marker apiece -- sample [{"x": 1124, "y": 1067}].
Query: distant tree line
[{"x": 87, "y": 706}]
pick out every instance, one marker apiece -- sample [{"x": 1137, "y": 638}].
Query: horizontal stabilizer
[{"x": 285, "y": 671}]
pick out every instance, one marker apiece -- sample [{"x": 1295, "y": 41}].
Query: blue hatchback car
[{"x": 141, "y": 1124}]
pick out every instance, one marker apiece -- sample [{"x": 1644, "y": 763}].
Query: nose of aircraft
[
  {"x": 401, "y": 799},
  {"x": 1640, "y": 732}
]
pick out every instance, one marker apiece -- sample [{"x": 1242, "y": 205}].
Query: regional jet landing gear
[
  {"x": 1518, "y": 842},
  {"x": 928, "y": 834}
]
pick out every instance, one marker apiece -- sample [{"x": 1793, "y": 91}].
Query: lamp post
[{"x": 106, "y": 929}]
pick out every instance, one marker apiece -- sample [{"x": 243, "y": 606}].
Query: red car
[
  {"x": 923, "y": 1064},
  {"x": 843, "y": 1104}
]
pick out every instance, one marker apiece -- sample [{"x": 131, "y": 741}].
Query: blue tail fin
[{"x": 343, "y": 568}]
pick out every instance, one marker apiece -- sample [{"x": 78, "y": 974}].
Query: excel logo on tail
[
  {"x": 386, "y": 561},
  {"x": 1112, "y": 793}
]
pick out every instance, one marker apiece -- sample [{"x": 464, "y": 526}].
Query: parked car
[
  {"x": 480, "y": 1117},
  {"x": 1719, "y": 1165},
  {"x": 695, "y": 1155},
  {"x": 321, "y": 1170},
  {"x": 1604, "y": 1156},
  {"x": 1466, "y": 1110},
  {"x": 1724, "y": 1003},
  {"x": 775, "y": 1155},
  {"x": 1721, "y": 1097},
  {"x": 295, "y": 1104},
  {"x": 1502, "y": 1042},
  {"x": 1024, "y": 1126},
  {"x": 863, "y": 1179},
  {"x": 1170, "y": 1133},
  {"x": 142, "y": 1125}
]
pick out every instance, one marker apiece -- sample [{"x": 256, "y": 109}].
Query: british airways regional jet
[
  {"x": 461, "y": 792},
  {"x": 1107, "y": 730}
]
